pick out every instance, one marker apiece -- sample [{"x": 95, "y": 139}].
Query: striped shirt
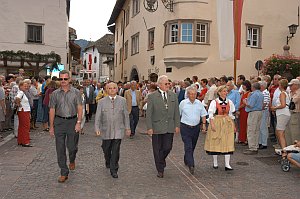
[{"x": 267, "y": 99}]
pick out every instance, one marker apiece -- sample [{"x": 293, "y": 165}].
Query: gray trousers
[
  {"x": 253, "y": 129},
  {"x": 65, "y": 134}
]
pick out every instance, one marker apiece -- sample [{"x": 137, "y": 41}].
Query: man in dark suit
[
  {"x": 163, "y": 120},
  {"x": 89, "y": 93}
]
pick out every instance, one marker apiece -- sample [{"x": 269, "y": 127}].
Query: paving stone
[{"x": 32, "y": 172}]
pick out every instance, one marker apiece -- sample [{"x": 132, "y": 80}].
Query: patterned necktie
[{"x": 165, "y": 100}]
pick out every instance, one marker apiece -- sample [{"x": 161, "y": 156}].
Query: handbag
[
  {"x": 16, "y": 106},
  {"x": 292, "y": 105}
]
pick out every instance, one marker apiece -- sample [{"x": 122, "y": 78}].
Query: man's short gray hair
[
  {"x": 133, "y": 82},
  {"x": 28, "y": 81},
  {"x": 263, "y": 84},
  {"x": 256, "y": 85},
  {"x": 162, "y": 77},
  {"x": 191, "y": 88}
]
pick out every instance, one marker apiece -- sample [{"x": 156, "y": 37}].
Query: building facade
[
  {"x": 35, "y": 26},
  {"x": 185, "y": 42},
  {"x": 96, "y": 58}
]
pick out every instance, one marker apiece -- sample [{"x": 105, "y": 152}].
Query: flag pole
[{"x": 235, "y": 25}]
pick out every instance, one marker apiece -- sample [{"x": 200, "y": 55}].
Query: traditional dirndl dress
[{"x": 220, "y": 141}]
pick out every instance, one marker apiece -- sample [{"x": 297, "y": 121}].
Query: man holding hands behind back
[
  {"x": 162, "y": 121},
  {"x": 111, "y": 121}
]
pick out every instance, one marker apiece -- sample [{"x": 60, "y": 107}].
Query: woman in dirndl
[{"x": 220, "y": 135}]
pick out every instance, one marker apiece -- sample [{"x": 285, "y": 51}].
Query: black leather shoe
[
  {"x": 262, "y": 147},
  {"x": 114, "y": 175},
  {"x": 215, "y": 167},
  {"x": 160, "y": 175},
  {"x": 228, "y": 169},
  {"x": 27, "y": 145},
  {"x": 192, "y": 170}
]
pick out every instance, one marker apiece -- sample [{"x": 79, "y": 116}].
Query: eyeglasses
[
  {"x": 65, "y": 79},
  {"x": 166, "y": 84}
]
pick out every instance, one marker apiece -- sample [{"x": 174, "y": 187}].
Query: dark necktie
[
  {"x": 113, "y": 102},
  {"x": 165, "y": 99}
]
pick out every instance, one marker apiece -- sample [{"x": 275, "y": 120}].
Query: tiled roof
[{"x": 105, "y": 44}]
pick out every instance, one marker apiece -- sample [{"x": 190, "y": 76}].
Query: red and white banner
[{"x": 229, "y": 13}]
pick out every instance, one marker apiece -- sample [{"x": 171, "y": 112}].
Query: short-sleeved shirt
[
  {"x": 210, "y": 95},
  {"x": 65, "y": 103},
  {"x": 25, "y": 105},
  {"x": 191, "y": 112},
  {"x": 255, "y": 101}
]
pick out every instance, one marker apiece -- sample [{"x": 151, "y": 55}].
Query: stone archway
[
  {"x": 153, "y": 77},
  {"x": 134, "y": 75}
]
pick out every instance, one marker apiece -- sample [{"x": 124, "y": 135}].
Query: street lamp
[{"x": 293, "y": 30}]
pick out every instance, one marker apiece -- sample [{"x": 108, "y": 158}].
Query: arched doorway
[
  {"x": 153, "y": 77},
  {"x": 134, "y": 75}
]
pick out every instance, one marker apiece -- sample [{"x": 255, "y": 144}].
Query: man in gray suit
[
  {"x": 111, "y": 121},
  {"x": 89, "y": 93},
  {"x": 162, "y": 121}
]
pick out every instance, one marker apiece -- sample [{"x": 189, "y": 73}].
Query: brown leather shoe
[
  {"x": 160, "y": 175},
  {"x": 62, "y": 179},
  {"x": 72, "y": 166}
]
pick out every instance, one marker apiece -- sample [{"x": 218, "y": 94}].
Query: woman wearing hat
[{"x": 220, "y": 135}]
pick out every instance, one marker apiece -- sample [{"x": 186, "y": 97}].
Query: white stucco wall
[
  {"x": 51, "y": 13},
  {"x": 273, "y": 15}
]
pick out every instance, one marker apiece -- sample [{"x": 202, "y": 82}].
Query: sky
[{"x": 89, "y": 18}]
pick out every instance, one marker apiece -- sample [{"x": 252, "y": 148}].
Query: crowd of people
[{"x": 249, "y": 112}]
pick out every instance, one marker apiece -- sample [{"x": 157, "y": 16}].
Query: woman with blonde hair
[
  {"x": 220, "y": 135},
  {"x": 282, "y": 113}
]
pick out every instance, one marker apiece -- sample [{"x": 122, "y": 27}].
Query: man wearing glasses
[
  {"x": 65, "y": 119},
  {"x": 163, "y": 120}
]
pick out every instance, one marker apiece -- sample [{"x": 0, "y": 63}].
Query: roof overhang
[{"x": 116, "y": 11}]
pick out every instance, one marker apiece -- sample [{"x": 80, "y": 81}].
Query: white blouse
[
  {"x": 213, "y": 107},
  {"x": 24, "y": 104}
]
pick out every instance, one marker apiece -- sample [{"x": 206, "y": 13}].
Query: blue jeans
[
  {"x": 189, "y": 137},
  {"x": 264, "y": 132}
]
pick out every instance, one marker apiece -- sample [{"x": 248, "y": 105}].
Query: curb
[{"x": 7, "y": 139}]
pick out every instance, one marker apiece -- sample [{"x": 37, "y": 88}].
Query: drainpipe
[{"x": 123, "y": 45}]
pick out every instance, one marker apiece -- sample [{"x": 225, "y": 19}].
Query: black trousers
[
  {"x": 65, "y": 134},
  {"x": 162, "y": 145},
  {"x": 111, "y": 150},
  {"x": 90, "y": 113},
  {"x": 134, "y": 118}
]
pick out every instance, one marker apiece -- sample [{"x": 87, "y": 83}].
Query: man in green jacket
[{"x": 162, "y": 121}]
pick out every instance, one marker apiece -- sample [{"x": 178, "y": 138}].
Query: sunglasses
[{"x": 65, "y": 79}]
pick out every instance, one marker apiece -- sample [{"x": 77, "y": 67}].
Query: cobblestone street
[{"x": 32, "y": 172}]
